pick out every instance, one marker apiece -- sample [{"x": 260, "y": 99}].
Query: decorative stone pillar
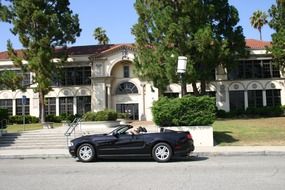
[
  {"x": 57, "y": 106},
  {"x": 245, "y": 99},
  {"x": 108, "y": 96},
  {"x": 143, "y": 116},
  {"x": 264, "y": 103},
  {"x": 14, "y": 106},
  {"x": 74, "y": 105}
]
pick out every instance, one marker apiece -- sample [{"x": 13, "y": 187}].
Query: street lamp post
[{"x": 181, "y": 69}]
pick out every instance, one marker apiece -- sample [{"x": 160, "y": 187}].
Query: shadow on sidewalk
[
  {"x": 8, "y": 139},
  {"x": 224, "y": 137}
]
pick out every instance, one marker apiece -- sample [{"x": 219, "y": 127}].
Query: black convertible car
[{"x": 122, "y": 143}]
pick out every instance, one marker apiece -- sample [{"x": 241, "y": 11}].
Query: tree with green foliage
[
  {"x": 277, "y": 13},
  {"x": 206, "y": 32},
  {"x": 100, "y": 35},
  {"x": 5, "y": 14},
  {"x": 41, "y": 26},
  {"x": 258, "y": 20}
]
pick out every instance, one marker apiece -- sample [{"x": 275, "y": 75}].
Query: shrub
[
  {"x": 18, "y": 119},
  {"x": 252, "y": 112},
  {"x": 89, "y": 116},
  {"x": 186, "y": 111},
  {"x": 221, "y": 113},
  {"x": 122, "y": 115},
  {"x": 3, "y": 114},
  {"x": 67, "y": 117},
  {"x": 106, "y": 115},
  {"x": 3, "y": 118},
  {"x": 53, "y": 118},
  {"x": 265, "y": 111}
]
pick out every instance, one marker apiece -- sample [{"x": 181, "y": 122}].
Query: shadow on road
[
  {"x": 189, "y": 159},
  {"x": 175, "y": 159},
  {"x": 224, "y": 137}
]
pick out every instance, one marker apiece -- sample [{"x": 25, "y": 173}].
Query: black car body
[{"x": 121, "y": 143}]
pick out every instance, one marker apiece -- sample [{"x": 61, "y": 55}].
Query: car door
[
  {"x": 122, "y": 145},
  {"x": 138, "y": 145}
]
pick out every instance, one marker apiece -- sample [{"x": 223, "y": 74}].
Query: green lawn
[
  {"x": 263, "y": 131},
  {"x": 27, "y": 127}
]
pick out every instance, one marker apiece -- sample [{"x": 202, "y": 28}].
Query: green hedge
[
  {"x": 251, "y": 112},
  {"x": 18, "y": 119},
  {"x": 3, "y": 118},
  {"x": 3, "y": 114},
  {"x": 106, "y": 115},
  {"x": 186, "y": 111},
  {"x": 53, "y": 118}
]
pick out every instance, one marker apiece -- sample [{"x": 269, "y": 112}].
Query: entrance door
[{"x": 131, "y": 109}]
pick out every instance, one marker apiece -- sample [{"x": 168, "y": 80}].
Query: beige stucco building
[{"x": 101, "y": 76}]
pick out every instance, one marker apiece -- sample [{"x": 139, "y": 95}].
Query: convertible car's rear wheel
[
  {"x": 86, "y": 152},
  {"x": 162, "y": 152}
]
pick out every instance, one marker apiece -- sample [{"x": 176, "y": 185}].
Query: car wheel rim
[
  {"x": 162, "y": 152},
  {"x": 85, "y": 152}
]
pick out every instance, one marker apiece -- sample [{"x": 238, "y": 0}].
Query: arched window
[{"x": 127, "y": 88}]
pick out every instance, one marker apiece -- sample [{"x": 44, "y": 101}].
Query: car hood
[{"x": 89, "y": 136}]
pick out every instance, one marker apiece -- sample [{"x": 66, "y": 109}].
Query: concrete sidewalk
[{"x": 200, "y": 152}]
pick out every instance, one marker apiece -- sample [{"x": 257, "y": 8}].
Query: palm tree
[
  {"x": 257, "y": 20},
  {"x": 100, "y": 35}
]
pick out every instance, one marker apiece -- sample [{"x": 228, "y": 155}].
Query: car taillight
[{"x": 189, "y": 136}]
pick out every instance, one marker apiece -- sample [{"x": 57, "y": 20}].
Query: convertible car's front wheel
[
  {"x": 86, "y": 152},
  {"x": 162, "y": 152}
]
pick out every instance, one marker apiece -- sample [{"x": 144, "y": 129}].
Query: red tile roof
[
  {"x": 75, "y": 50},
  {"x": 103, "y": 49},
  {"x": 257, "y": 44}
]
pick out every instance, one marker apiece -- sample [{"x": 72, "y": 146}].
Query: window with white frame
[
  {"x": 127, "y": 88},
  {"x": 83, "y": 104},
  {"x": 20, "y": 108},
  {"x": 273, "y": 97},
  {"x": 7, "y": 104},
  {"x": 66, "y": 105},
  {"x": 50, "y": 106}
]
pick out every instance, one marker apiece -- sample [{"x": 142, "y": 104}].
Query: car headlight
[{"x": 70, "y": 143}]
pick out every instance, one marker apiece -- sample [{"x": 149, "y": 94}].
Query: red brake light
[{"x": 189, "y": 136}]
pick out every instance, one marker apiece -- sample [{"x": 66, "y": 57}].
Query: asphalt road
[{"x": 196, "y": 173}]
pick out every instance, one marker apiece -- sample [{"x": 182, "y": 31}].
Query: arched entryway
[{"x": 126, "y": 92}]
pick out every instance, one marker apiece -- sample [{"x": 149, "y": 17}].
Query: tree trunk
[
  {"x": 195, "y": 89},
  {"x": 42, "y": 106},
  {"x": 203, "y": 87}
]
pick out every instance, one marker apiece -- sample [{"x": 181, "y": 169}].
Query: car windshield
[{"x": 120, "y": 129}]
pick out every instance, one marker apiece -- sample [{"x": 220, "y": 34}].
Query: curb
[
  {"x": 35, "y": 156},
  {"x": 239, "y": 153},
  {"x": 194, "y": 154}
]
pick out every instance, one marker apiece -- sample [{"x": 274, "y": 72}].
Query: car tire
[
  {"x": 162, "y": 152},
  {"x": 86, "y": 152}
]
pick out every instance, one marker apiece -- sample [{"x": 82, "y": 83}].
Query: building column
[
  {"x": 108, "y": 96},
  {"x": 57, "y": 106},
  {"x": 143, "y": 116},
  {"x": 74, "y": 105},
  {"x": 245, "y": 99},
  {"x": 14, "y": 106},
  {"x": 264, "y": 98}
]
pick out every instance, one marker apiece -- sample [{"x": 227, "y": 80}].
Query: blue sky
[{"x": 117, "y": 17}]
